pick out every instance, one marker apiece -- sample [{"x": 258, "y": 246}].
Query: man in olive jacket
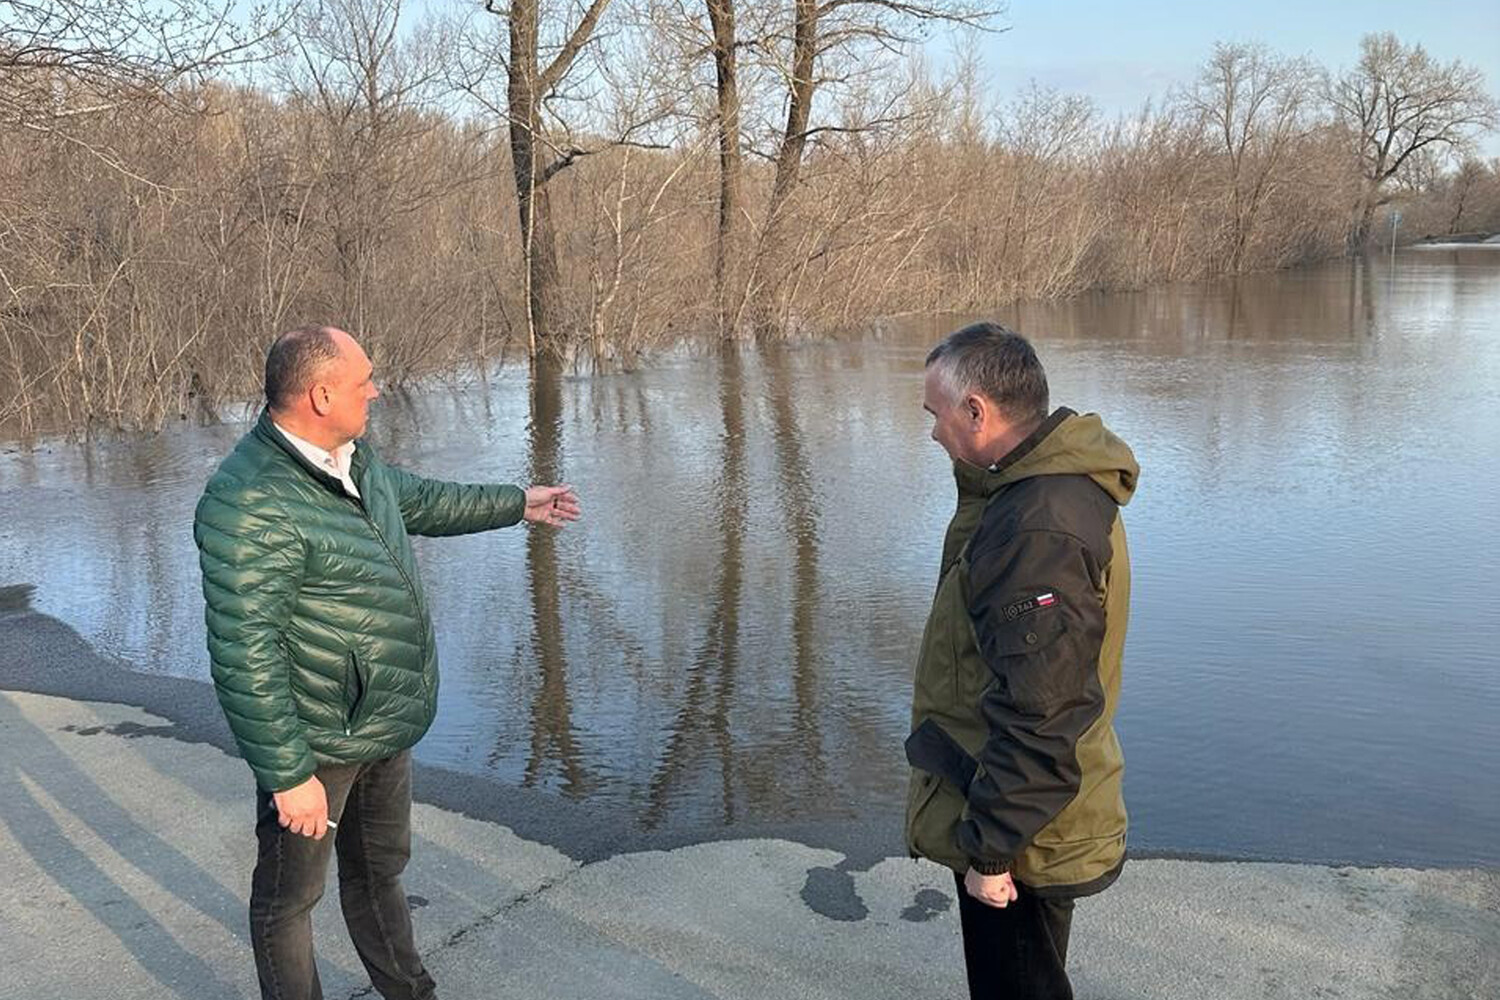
[
  {"x": 1016, "y": 780},
  {"x": 323, "y": 654}
]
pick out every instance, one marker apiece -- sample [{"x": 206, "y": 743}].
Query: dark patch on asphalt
[
  {"x": 16, "y": 597},
  {"x": 830, "y": 892},
  {"x": 128, "y": 730},
  {"x": 416, "y": 902},
  {"x": 927, "y": 904}
]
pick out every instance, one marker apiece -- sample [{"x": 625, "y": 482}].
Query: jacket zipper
[
  {"x": 353, "y": 709},
  {"x": 415, "y": 595},
  {"x": 348, "y": 708},
  {"x": 336, "y": 487}
]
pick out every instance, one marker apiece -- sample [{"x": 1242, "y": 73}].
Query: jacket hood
[{"x": 1066, "y": 444}]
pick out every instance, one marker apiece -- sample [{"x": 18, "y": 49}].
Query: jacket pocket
[
  {"x": 356, "y": 687},
  {"x": 923, "y": 787},
  {"x": 1024, "y": 658},
  {"x": 932, "y": 814},
  {"x": 930, "y": 748}
]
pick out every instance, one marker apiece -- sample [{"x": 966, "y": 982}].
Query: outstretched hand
[{"x": 554, "y": 505}]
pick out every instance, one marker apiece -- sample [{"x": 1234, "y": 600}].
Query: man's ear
[
  {"x": 974, "y": 407},
  {"x": 322, "y": 401}
]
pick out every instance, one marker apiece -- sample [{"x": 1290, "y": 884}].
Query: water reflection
[
  {"x": 552, "y": 737},
  {"x": 727, "y": 637},
  {"x": 800, "y": 502},
  {"x": 701, "y": 724}
]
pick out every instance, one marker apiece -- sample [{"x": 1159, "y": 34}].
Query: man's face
[
  {"x": 349, "y": 384},
  {"x": 953, "y": 423}
]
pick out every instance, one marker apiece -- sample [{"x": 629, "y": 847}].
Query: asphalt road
[{"x": 126, "y": 842}]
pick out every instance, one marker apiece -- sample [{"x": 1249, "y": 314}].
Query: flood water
[{"x": 1313, "y": 664}]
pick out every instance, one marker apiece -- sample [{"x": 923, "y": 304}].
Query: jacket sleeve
[
  {"x": 433, "y": 507},
  {"x": 253, "y": 561},
  {"x": 1039, "y": 621}
]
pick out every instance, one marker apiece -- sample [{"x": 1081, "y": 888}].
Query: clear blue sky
[{"x": 1121, "y": 53}]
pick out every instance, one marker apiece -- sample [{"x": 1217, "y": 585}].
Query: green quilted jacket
[{"x": 321, "y": 644}]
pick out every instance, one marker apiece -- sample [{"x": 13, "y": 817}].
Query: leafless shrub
[{"x": 158, "y": 222}]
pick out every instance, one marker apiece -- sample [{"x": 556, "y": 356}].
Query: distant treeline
[{"x": 582, "y": 183}]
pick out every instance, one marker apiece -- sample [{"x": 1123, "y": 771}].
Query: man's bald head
[{"x": 295, "y": 361}]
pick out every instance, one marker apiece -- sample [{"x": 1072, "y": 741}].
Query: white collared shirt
[{"x": 336, "y": 463}]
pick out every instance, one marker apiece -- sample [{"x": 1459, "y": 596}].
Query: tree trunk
[
  {"x": 1462, "y": 184},
  {"x": 1364, "y": 217},
  {"x": 538, "y": 250},
  {"x": 770, "y": 262},
  {"x": 728, "y": 283}
]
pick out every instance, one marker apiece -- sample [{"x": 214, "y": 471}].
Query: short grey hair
[
  {"x": 998, "y": 363},
  {"x": 295, "y": 360}
]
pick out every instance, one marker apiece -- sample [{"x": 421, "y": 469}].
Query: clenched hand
[
  {"x": 304, "y": 808},
  {"x": 998, "y": 891}
]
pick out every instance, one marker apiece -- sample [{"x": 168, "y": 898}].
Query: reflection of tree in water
[
  {"x": 799, "y": 500},
  {"x": 1362, "y": 297},
  {"x": 624, "y": 408},
  {"x": 551, "y": 710},
  {"x": 151, "y": 589},
  {"x": 395, "y": 421},
  {"x": 716, "y": 662},
  {"x": 1236, "y": 309},
  {"x": 703, "y": 719}
]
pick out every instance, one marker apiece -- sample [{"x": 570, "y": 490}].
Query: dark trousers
[
  {"x": 1019, "y": 952},
  {"x": 371, "y": 803}
]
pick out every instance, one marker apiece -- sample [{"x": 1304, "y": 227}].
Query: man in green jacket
[
  {"x": 1016, "y": 771},
  {"x": 323, "y": 655}
]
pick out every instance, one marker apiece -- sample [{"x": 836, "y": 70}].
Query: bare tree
[
  {"x": 1461, "y": 190},
  {"x": 373, "y": 97},
  {"x": 109, "y": 48},
  {"x": 728, "y": 247},
  {"x": 1251, "y": 104},
  {"x": 633, "y": 196},
  {"x": 84, "y": 85},
  {"x": 732, "y": 92},
  {"x": 65, "y": 61},
  {"x": 1397, "y": 102},
  {"x": 532, "y": 82},
  {"x": 1042, "y": 135},
  {"x": 155, "y": 224},
  {"x": 828, "y": 38}
]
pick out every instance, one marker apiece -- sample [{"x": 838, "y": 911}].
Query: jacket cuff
[
  {"x": 512, "y": 504},
  {"x": 284, "y": 781},
  {"x": 970, "y": 841}
]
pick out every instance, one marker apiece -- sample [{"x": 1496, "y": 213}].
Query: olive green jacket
[
  {"x": 318, "y": 630},
  {"x": 1016, "y": 766}
]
